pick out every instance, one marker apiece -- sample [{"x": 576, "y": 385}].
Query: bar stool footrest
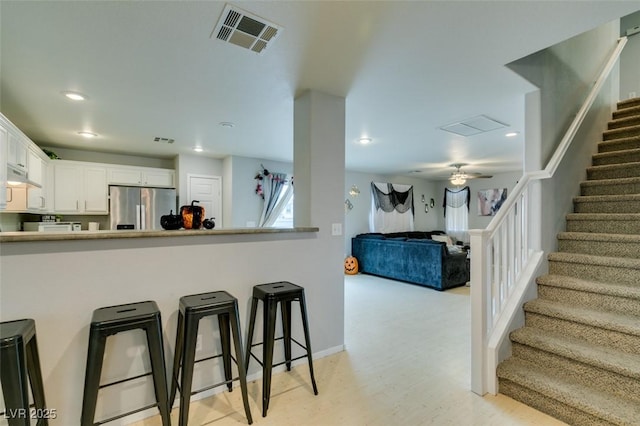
[
  {"x": 119, "y": 416},
  {"x": 117, "y": 382}
]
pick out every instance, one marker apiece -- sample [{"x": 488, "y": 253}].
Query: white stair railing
[{"x": 505, "y": 256}]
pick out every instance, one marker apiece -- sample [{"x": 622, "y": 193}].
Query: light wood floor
[{"x": 406, "y": 362}]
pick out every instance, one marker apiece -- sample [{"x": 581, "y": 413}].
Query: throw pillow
[{"x": 443, "y": 239}]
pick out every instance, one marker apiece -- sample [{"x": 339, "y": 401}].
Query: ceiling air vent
[
  {"x": 474, "y": 126},
  {"x": 163, "y": 140},
  {"x": 243, "y": 29}
]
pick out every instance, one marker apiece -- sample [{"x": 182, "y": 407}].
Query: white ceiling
[{"x": 405, "y": 68}]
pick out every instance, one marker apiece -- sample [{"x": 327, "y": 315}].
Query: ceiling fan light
[
  {"x": 74, "y": 96},
  {"x": 458, "y": 180},
  {"x": 88, "y": 135}
]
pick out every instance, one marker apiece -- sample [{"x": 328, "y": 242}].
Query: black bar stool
[
  {"x": 112, "y": 320},
  {"x": 192, "y": 309},
  {"x": 282, "y": 292},
  {"x": 19, "y": 359}
]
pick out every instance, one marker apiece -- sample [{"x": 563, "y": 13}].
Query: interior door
[{"x": 207, "y": 190}]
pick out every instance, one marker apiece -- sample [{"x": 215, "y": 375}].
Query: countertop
[{"x": 9, "y": 237}]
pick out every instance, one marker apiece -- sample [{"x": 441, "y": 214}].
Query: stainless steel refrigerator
[{"x": 133, "y": 207}]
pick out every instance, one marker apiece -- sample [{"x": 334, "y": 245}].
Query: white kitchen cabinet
[
  {"x": 17, "y": 154},
  {"x": 36, "y": 165},
  {"x": 4, "y": 136},
  {"x": 80, "y": 188},
  {"x": 96, "y": 197},
  {"x": 141, "y": 176},
  {"x": 38, "y": 199}
]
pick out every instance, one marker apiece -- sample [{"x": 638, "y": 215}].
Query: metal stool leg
[
  {"x": 252, "y": 326},
  {"x": 95, "y": 356},
  {"x": 235, "y": 330},
  {"x": 35, "y": 377},
  {"x": 286, "y": 328},
  {"x": 270, "y": 311},
  {"x": 188, "y": 358},
  {"x": 305, "y": 325},
  {"x": 156, "y": 351},
  {"x": 223, "y": 325},
  {"x": 177, "y": 359},
  {"x": 13, "y": 374}
]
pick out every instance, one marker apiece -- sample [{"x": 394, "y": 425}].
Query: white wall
[
  {"x": 357, "y": 220},
  {"x": 245, "y": 205},
  {"x": 104, "y": 157},
  {"x": 564, "y": 73},
  {"x": 630, "y": 58},
  {"x": 499, "y": 180}
]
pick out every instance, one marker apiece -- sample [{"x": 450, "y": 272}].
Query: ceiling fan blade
[{"x": 478, "y": 176}]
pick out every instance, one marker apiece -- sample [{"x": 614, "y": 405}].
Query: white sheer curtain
[
  {"x": 272, "y": 184},
  {"x": 391, "y": 208},
  {"x": 285, "y": 197},
  {"x": 456, "y": 213}
]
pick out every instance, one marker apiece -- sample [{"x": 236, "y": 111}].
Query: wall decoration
[
  {"x": 490, "y": 201},
  {"x": 348, "y": 206}
]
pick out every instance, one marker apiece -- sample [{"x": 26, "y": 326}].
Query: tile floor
[{"x": 407, "y": 362}]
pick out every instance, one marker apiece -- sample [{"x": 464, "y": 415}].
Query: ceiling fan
[{"x": 459, "y": 176}]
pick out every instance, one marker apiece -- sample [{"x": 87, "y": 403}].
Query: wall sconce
[
  {"x": 422, "y": 199},
  {"x": 432, "y": 203},
  {"x": 347, "y": 206},
  {"x": 354, "y": 191}
]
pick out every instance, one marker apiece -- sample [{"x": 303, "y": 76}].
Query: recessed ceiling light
[
  {"x": 88, "y": 134},
  {"x": 227, "y": 124},
  {"x": 198, "y": 149},
  {"x": 365, "y": 141},
  {"x": 75, "y": 96},
  {"x": 511, "y": 134}
]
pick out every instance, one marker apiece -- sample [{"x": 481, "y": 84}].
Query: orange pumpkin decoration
[{"x": 351, "y": 265}]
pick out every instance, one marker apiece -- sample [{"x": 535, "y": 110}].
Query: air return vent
[
  {"x": 163, "y": 140},
  {"x": 243, "y": 29},
  {"x": 474, "y": 126}
]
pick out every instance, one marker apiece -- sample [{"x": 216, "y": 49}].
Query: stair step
[
  {"x": 628, "y": 103},
  {"x": 619, "y": 144},
  {"x": 617, "y": 157},
  {"x": 611, "y": 223},
  {"x": 627, "y": 112},
  {"x": 596, "y": 268},
  {"x": 605, "y": 368},
  {"x": 610, "y": 297},
  {"x": 610, "y": 186},
  {"x": 600, "y": 244},
  {"x": 613, "y": 329},
  {"x": 625, "y": 132},
  {"x": 614, "y": 171},
  {"x": 564, "y": 398},
  {"x": 607, "y": 204},
  {"x": 629, "y": 121}
]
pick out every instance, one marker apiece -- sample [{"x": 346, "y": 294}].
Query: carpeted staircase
[{"x": 578, "y": 356}]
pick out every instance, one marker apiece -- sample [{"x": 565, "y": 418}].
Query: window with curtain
[
  {"x": 456, "y": 213},
  {"x": 391, "y": 208},
  {"x": 277, "y": 192}
]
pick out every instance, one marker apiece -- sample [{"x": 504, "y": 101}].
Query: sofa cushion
[{"x": 372, "y": 236}]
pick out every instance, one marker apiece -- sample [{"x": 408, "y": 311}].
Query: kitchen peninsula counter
[
  {"x": 59, "y": 279},
  {"x": 9, "y": 237}
]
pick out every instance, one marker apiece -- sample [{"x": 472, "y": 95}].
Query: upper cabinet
[
  {"x": 23, "y": 170},
  {"x": 141, "y": 176},
  {"x": 18, "y": 148},
  {"x": 80, "y": 188},
  {"x": 4, "y": 140}
]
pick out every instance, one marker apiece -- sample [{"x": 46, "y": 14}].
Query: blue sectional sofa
[{"x": 412, "y": 257}]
